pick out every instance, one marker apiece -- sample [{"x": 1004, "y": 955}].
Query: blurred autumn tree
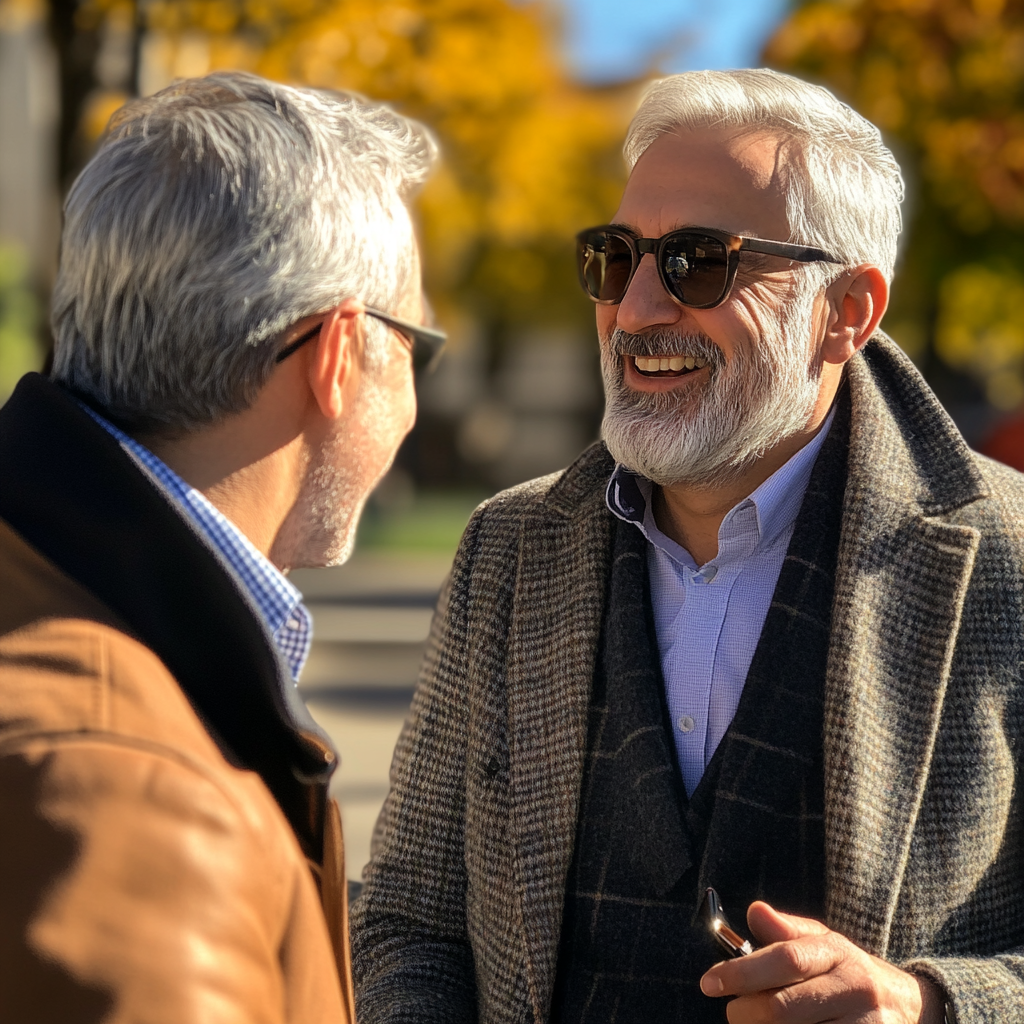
[
  {"x": 944, "y": 80},
  {"x": 528, "y": 155}
]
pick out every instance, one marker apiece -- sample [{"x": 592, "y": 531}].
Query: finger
[
  {"x": 775, "y": 966},
  {"x": 769, "y": 925},
  {"x": 810, "y": 1002}
]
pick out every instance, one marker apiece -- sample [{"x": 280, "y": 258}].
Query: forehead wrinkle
[
  {"x": 634, "y": 230},
  {"x": 689, "y": 186}
]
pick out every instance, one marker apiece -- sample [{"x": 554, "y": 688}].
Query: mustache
[{"x": 666, "y": 343}]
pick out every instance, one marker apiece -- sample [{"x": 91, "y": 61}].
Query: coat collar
[
  {"x": 904, "y": 448},
  {"x": 901, "y": 582},
  {"x": 69, "y": 489}
]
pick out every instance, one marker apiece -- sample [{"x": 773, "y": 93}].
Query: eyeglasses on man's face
[
  {"x": 697, "y": 266},
  {"x": 427, "y": 342}
]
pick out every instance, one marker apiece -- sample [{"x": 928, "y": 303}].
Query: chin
[
  {"x": 317, "y": 536},
  {"x": 325, "y": 546},
  {"x": 339, "y": 553}
]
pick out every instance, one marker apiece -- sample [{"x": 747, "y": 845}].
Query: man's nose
[{"x": 646, "y": 304}]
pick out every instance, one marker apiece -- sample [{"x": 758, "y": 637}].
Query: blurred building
[
  {"x": 29, "y": 214},
  {"x": 495, "y": 419},
  {"x": 29, "y": 112}
]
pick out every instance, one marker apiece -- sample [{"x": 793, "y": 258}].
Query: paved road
[{"x": 371, "y": 618}]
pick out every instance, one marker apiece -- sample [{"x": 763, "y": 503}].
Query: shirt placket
[{"x": 692, "y": 656}]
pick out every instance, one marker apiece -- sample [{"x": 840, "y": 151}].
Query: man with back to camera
[
  {"x": 234, "y": 315},
  {"x": 766, "y": 637}
]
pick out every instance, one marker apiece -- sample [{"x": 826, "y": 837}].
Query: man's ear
[
  {"x": 856, "y": 302},
  {"x": 336, "y": 360}
]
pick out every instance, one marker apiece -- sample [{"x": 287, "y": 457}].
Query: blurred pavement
[{"x": 371, "y": 619}]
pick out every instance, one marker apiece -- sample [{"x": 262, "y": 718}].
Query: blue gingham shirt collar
[
  {"x": 277, "y": 601},
  {"x": 753, "y": 523}
]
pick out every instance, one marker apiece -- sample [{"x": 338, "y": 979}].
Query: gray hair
[
  {"x": 844, "y": 187},
  {"x": 215, "y": 214}
]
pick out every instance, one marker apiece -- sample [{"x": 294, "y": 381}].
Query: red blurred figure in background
[{"x": 1006, "y": 442}]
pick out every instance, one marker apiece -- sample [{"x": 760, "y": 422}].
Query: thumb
[{"x": 768, "y": 925}]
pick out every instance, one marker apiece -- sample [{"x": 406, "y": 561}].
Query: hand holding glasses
[
  {"x": 697, "y": 266},
  {"x": 714, "y": 917}
]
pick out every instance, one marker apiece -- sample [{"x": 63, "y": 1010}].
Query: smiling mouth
[{"x": 667, "y": 366}]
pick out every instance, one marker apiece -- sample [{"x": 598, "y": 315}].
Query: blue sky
[{"x": 608, "y": 40}]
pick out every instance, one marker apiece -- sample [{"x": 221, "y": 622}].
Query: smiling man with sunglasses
[
  {"x": 767, "y": 637},
  {"x": 237, "y": 317}
]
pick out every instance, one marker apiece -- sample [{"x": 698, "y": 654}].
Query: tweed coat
[{"x": 923, "y": 730}]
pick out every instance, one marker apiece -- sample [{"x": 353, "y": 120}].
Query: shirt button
[
  {"x": 710, "y": 573},
  {"x": 685, "y": 723}
]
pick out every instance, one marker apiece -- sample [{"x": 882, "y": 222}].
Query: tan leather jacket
[{"x": 143, "y": 878}]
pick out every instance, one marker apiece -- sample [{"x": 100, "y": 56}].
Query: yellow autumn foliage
[
  {"x": 945, "y": 75},
  {"x": 980, "y": 328},
  {"x": 944, "y": 80},
  {"x": 530, "y": 157}
]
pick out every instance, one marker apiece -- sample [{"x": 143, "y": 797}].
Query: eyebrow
[{"x": 689, "y": 227}]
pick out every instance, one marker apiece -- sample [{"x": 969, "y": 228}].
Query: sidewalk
[{"x": 371, "y": 619}]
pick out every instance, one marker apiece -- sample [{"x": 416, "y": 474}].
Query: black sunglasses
[
  {"x": 697, "y": 266},
  {"x": 427, "y": 342}
]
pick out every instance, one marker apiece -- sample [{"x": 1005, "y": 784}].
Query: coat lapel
[
  {"x": 901, "y": 581},
  {"x": 556, "y": 622}
]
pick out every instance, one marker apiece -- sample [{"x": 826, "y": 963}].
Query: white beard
[{"x": 704, "y": 438}]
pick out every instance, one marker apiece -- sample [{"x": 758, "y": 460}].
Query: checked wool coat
[{"x": 923, "y": 730}]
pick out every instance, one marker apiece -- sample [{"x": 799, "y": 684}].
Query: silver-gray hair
[
  {"x": 843, "y": 185},
  {"x": 216, "y": 213}
]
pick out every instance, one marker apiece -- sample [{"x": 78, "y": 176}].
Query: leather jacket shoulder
[{"x": 143, "y": 878}]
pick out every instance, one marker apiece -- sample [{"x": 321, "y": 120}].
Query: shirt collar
[
  {"x": 277, "y": 602},
  {"x": 755, "y": 522}
]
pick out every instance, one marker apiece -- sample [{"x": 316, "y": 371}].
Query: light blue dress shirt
[
  {"x": 709, "y": 618},
  {"x": 278, "y": 603}
]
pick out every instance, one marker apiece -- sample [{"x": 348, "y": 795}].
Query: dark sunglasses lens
[
  {"x": 605, "y": 265},
  {"x": 696, "y": 268}
]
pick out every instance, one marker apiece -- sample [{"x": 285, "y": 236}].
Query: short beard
[
  {"x": 321, "y": 527},
  {"x": 709, "y": 436}
]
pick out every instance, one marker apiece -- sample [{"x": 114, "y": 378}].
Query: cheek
[
  {"x": 605, "y": 317},
  {"x": 410, "y": 406},
  {"x": 752, "y": 311},
  {"x": 403, "y": 402}
]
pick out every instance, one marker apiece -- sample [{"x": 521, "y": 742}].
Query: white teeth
[{"x": 652, "y": 364}]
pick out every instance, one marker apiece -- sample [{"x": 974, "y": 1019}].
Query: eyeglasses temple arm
[
  {"x": 431, "y": 334},
  {"x": 788, "y": 250},
  {"x": 297, "y": 344}
]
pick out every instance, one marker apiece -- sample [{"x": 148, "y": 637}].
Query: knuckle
[{"x": 796, "y": 958}]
